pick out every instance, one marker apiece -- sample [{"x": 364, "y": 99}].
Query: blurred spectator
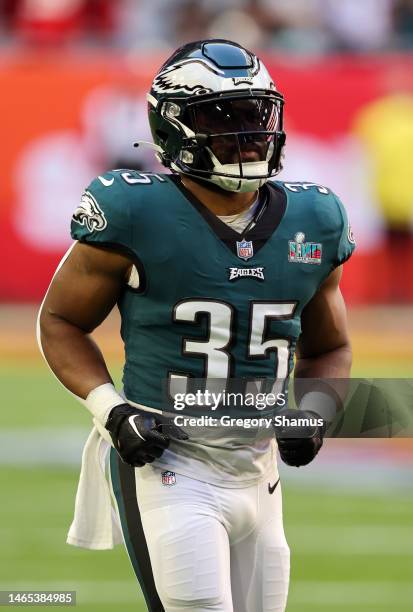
[
  {"x": 192, "y": 19},
  {"x": 52, "y": 22},
  {"x": 292, "y": 26},
  {"x": 299, "y": 26},
  {"x": 238, "y": 25},
  {"x": 403, "y": 24},
  {"x": 358, "y": 25},
  {"x": 145, "y": 24}
]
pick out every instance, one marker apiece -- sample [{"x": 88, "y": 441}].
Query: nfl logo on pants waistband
[
  {"x": 168, "y": 478},
  {"x": 245, "y": 250}
]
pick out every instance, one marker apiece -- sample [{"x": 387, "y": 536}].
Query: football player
[{"x": 219, "y": 272}]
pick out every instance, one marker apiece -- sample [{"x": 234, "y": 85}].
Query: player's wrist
[
  {"x": 321, "y": 404},
  {"x": 102, "y": 400}
]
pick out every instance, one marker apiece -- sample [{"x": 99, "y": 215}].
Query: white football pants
[{"x": 196, "y": 546}]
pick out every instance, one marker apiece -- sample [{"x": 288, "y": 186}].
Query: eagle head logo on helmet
[{"x": 216, "y": 115}]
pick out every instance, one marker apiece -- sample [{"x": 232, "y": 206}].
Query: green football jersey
[{"x": 210, "y": 302}]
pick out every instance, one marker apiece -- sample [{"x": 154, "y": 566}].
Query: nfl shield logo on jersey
[
  {"x": 245, "y": 249},
  {"x": 168, "y": 478}
]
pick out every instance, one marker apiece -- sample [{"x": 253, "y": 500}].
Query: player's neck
[{"x": 219, "y": 202}]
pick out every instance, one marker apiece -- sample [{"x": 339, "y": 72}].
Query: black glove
[
  {"x": 140, "y": 437},
  {"x": 298, "y": 445}
]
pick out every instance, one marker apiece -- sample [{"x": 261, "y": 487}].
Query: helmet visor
[{"x": 238, "y": 130}]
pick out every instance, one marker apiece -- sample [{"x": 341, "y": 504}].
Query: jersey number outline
[
  {"x": 141, "y": 178},
  {"x": 215, "y": 348},
  {"x": 296, "y": 187}
]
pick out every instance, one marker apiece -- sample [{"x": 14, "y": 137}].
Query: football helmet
[{"x": 215, "y": 114}]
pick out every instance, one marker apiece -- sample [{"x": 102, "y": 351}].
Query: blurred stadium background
[{"x": 73, "y": 75}]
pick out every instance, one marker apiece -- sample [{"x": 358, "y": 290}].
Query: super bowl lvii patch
[{"x": 300, "y": 251}]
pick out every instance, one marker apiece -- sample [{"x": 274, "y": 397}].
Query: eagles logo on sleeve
[
  {"x": 350, "y": 235},
  {"x": 89, "y": 214}
]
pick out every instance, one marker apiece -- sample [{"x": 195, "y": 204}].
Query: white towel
[{"x": 95, "y": 524}]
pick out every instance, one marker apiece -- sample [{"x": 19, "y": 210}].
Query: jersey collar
[{"x": 270, "y": 212}]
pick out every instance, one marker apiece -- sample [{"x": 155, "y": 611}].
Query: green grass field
[
  {"x": 348, "y": 552},
  {"x": 352, "y": 549}
]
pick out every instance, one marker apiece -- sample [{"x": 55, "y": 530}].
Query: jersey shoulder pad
[
  {"x": 103, "y": 214},
  {"x": 323, "y": 209}
]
